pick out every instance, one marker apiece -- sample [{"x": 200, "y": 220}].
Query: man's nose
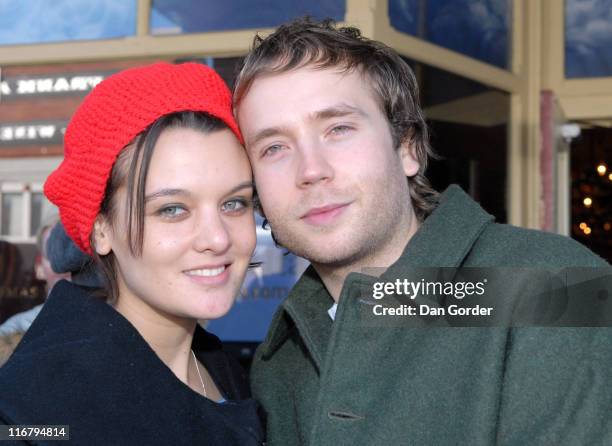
[{"x": 313, "y": 165}]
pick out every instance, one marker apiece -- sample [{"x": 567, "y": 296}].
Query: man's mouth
[{"x": 322, "y": 215}]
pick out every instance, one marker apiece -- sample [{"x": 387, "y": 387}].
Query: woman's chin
[{"x": 214, "y": 312}]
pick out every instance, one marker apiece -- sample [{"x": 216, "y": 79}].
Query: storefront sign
[
  {"x": 30, "y": 133},
  {"x": 17, "y": 87}
]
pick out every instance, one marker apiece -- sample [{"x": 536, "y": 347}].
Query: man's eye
[
  {"x": 234, "y": 205},
  {"x": 172, "y": 211},
  {"x": 340, "y": 129},
  {"x": 271, "y": 150}
]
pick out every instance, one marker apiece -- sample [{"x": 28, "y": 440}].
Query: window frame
[{"x": 537, "y": 64}]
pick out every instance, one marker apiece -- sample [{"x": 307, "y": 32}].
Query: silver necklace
[{"x": 199, "y": 374}]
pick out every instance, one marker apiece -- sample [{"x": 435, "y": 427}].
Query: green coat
[{"x": 343, "y": 383}]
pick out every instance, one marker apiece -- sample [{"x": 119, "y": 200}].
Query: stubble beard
[{"x": 359, "y": 242}]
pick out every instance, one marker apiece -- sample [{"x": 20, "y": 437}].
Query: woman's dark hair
[{"x": 131, "y": 169}]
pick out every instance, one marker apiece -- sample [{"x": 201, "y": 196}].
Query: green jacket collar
[{"x": 443, "y": 240}]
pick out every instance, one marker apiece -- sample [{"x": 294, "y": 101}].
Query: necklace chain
[{"x": 199, "y": 374}]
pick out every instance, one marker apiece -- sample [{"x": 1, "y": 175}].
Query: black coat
[{"x": 84, "y": 365}]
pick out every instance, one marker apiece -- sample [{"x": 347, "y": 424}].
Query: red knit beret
[{"x": 110, "y": 117}]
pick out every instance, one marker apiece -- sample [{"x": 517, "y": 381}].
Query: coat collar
[
  {"x": 72, "y": 314},
  {"x": 82, "y": 353},
  {"x": 307, "y": 303},
  {"x": 443, "y": 240},
  {"x": 86, "y": 316}
]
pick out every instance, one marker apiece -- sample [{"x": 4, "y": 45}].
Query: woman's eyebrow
[
  {"x": 165, "y": 193},
  {"x": 173, "y": 192},
  {"x": 243, "y": 185}
]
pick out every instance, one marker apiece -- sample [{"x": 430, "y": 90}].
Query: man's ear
[
  {"x": 407, "y": 154},
  {"x": 102, "y": 236}
]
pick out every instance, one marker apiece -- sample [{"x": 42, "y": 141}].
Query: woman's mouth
[
  {"x": 206, "y": 272},
  {"x": 209, "y": 275}
]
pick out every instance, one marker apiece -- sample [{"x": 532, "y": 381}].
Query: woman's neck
[{"x": 170, "y": 337}]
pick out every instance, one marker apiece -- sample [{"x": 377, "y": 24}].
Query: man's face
[{"x": 331, "y": 184}]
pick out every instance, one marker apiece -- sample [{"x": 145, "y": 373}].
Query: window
[
  {"x": 24, "y": 209},
  {"x": 588, "y": 32},
  {"x": 476, "y": 28},
  {"x": 41, "y": 21},
  {"x": 12, "y": 213},
  {"x": 192, "y": 16},
  {"x": 41, "y": 209}
]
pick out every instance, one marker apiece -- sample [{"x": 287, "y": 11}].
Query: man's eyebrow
[
  {"x": 336, "y": 111},
  {"x": 165, "y": 193},
  {"x": 267, "y": 133}
]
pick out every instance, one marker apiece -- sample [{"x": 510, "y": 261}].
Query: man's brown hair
[{"x": 322, "y": 45}]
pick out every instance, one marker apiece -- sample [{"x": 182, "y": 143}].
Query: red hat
[{"x": 110, "y": 117}]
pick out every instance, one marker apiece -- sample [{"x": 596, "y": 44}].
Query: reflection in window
[
  {"x": 591, "y": 169},
  {"x": 41, "y": 21},
  {"x": 476, "y": 28},
  {"x": 191, "y": 16},
  {"x": 12, "y": 214},
  {"x": 588, "y": 33}
]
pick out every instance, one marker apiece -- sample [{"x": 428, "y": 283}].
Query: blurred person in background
[
  {"x": 10, "y": 279},
  {"x": 11, "y": 276},
  {"x": 157, "y": 187},
  {"x": 20, "y": 322},
  {"x": 66, "y": 257},
  {"x": 62, "y": 260},
  {"x": 42, "y": 267}
]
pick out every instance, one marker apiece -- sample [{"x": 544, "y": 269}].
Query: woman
[{"x": 156, "y": 186}]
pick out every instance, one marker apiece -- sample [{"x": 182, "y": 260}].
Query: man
[{"x": 339, "y": 147}]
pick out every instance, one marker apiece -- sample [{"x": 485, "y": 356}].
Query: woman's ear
[{"x": 102, "y": 236}]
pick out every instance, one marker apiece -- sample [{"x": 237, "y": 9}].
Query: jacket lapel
[
  {"x": 447, "y": 235},
  {"x": 305, "y": 309}
]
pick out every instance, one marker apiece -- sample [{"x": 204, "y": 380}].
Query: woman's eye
[
  {"x": 234, "y": 205},
  {"x": 172, "y": 211}
]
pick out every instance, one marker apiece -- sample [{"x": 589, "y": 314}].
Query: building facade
[{"x": 518, "y": 93}]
